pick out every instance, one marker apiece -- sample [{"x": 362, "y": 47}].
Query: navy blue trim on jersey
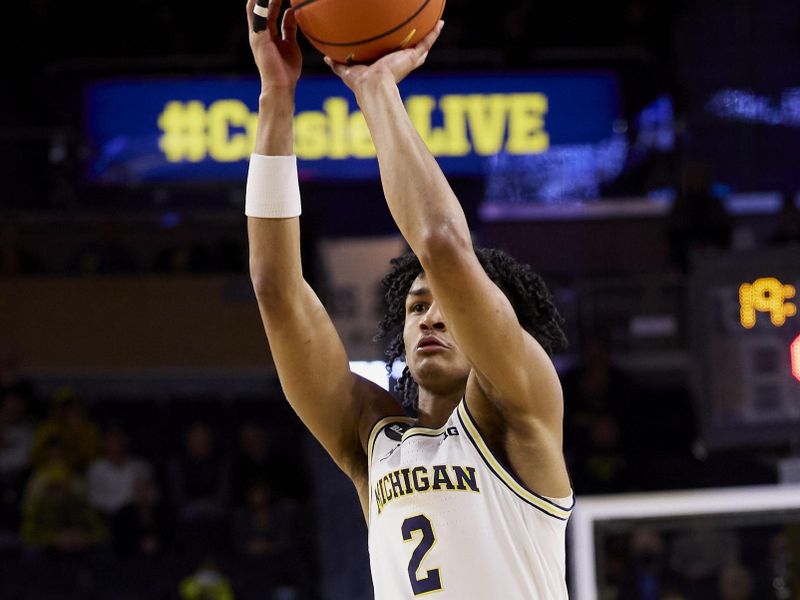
[
  {"x": 429, "y": 435},
  {"x": 511, "y": 472},
  {"x": 513, "y": 491}
]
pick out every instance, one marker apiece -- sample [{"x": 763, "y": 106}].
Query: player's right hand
[
  {"x": 395, "y": 66},
  {"x": 277, "y": 54}
]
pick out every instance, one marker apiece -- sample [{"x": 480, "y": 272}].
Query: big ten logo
[
  {"x": 766, "y": 295},
  {"x": 452, "y": 126}
]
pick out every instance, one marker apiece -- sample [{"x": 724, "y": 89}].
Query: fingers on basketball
[
  {"x": 289, "y": 26},
  {"x": 419, "y": 53},
  {"x": 251, "y": 4},
  {"x": 429, "y": 40},
  {"x": 273, "y": 11},
  {"x": 338, "y": 68}
]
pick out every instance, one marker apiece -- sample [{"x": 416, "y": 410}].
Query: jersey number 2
[{"x": 432, "y": 582}]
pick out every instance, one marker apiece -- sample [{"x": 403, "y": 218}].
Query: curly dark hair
[{"x": 527, "y": 292}]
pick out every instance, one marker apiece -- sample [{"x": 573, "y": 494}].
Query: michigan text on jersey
[{"x": 437, "y": 478}]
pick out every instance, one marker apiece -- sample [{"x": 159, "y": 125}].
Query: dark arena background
[{"x": 642, "y": 156}]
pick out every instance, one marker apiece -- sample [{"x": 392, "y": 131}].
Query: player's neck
[{"x": 435, "y": 409}]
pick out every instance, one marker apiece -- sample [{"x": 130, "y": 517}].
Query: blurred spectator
[
  {"x": 642, "y": 579},
  {"x": 207, "y": 583},
  {"x": 257, "y": 531},
  {"x": 698, "y": 222},
  {"x": 735, "y": 583},
  {"x": 603, "y": 467},
  {"x": 69, "y": 422},
  {"x": 788, "y": 230},
  {"x": 597, "y": 398},
  {"x": 252, "y": 464},
  {"x": 16, "y": 441},
  {"x": 199, "y": 477},
  {"x": 594, "y": 387},
  {"x": 647, "y": 576},
  {"x": 143, "y": 527},
  {"x": 11, "y": 380},
  {"x": 616, "y": 557},
  {"x": 698, "y": 555},
  {"x": 52, "y": 451},
  {"x": 57, "y": 514},
  {"x": 111, "y": 478},
  {"x": 16, "y": 435},
  {"x": 776, "y": 579}
]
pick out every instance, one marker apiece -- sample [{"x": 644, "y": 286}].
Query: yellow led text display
[
  {"x": 766, "y": 295},
  {"x": 481, "y": 124}
]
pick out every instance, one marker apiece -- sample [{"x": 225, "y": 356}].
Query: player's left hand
[
  {"x": 396, "y": 65},
  {"x": 275, "y": 50}
]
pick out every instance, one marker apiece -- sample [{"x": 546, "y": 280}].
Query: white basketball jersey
[{"x": 446, "y": 519}]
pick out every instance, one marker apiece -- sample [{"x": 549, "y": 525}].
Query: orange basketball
[{"x": 361, "y": 31}]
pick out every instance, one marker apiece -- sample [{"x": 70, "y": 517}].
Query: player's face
[{"x": 435, "y": 361}]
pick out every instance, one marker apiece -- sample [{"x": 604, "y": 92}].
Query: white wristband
[{"x": 273, "y": 191}]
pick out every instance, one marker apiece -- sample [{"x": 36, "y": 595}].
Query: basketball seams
[
  {"x": 368, "y": 40},
  {"x": 303, "y": 4}
]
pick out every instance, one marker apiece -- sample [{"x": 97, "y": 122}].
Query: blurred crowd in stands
[
  {"x": 708, "y": 561},
  {"x": 189, "y": 483}
]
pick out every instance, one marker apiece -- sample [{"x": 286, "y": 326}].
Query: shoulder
[
  {"x": 373, "y": 405},
  {"x": 377, "y": 407},
  {"x": 528, "y": 447}
]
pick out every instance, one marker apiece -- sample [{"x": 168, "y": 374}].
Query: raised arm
[
  {"x": 512, "y": 368},
  {"x": 337, "y": 406}
]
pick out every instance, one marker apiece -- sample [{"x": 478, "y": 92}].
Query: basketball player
[{"x": 469, "y": 499}]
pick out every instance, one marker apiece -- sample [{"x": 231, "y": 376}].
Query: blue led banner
[{"x": 191, "y": 130}]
